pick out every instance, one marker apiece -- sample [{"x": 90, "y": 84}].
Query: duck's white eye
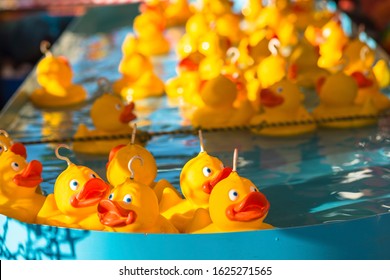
[
  {"x": 206, "y": 171},
  {"x": 279, "y": 90},
  {"x": 127, "y": 198},
  {"x": 74, "y": 184},
  {"x": 111, "y": 196},
  {"x": 233, "y": 195},
  {"x": 15, "y": 166},
  {"x": 92, "y": 175},
  {"x": 253, "y": 189},
  {"x": 118, "y": 106}
]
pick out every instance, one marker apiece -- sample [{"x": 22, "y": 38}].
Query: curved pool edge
[{"x": 364, "y": 238}]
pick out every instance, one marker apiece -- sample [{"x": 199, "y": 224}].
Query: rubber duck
[
  {"x": 216, "y": 8},
  {"x": 228, "y": 26},
  {"x": 110, "y": 117},
  {"x": 368, "y": 89},
  {"x": 138, "y": 79},
  {"x": 149, "y": 28},
  {"x": 272, "y": 68},
  {"x": 359, "y": 56},
  {"x": 5, "y": 139},
  {"x": 19, "y": 184},
  {"x": 251, "y": 10},
  {"x": 54, "y": 75},
  {"x": 220, "y": 110},
  {"x": 145, "y": 171},
  {"x": 235, "y": 204},
  {"x": 177, "y": 12},
  {"x": 382, "y": 73},
  {"x": 133, "y": 207},
  {"x": 337, "y": 95},
  {"x": 197, "y": 178},
  {"x": 77, "y": 192},
  {"x": 281, "y": 103}
]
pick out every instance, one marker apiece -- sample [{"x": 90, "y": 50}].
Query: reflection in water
[{"x": 36, "y": 242}]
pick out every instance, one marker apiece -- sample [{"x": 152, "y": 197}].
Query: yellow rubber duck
[
  {"x": 359, "y": 56},
  {"x": 110, "y": 117},
  {"x": 138, "y": 79},
  {"x": 133, "y": 207},
  {"x": 149, "y": 28},
  {"x": 54, "y": 75},
  {"x": 368, "y": 89},
  {"x": 77, "y": 192},
  {"x": 337, "y": 94},
  {"x": 145, "y": 171},
  {"x": 19, "y": 184},
  {"x": 235, "y": 204},
  {"x": 381, "y": 70},
  {"x": 5, "y": 139},
  {"x": 281, "y": 103},
  {"x": 220, "y": 110},
  {"x": 197, "y": 179}
]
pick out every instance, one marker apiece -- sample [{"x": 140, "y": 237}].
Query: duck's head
[
  {"x": 145, "y": 171},
  {"x": 219, "y": 92},
  {"x": 149, "y": 23},
  {"x": 199, "y": 176},
  {"x": 130, "y": 204},
  {"x": 211, "y": 43},
  {"x": 359, "y": 56},
  {"x": 197, "y": 25},
  {"x": 337, "y": 89},
  {"x": 52, "y": 69},
  {"x": 5, "y": 139},
  {"x": 134, "y": 65},
  {"x": 109, "y": 113},
  {"x": 78, "y": 189},
  {"x": 283, "y": 95},
  {"x": 19, "y": 178},
  {"x": 236, "y": 204}
]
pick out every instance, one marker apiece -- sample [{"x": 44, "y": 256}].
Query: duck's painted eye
[
  {"x": 74, "y": 184},
  {"x": 253, "y": 189},
  {"x": 279, "y": 90},
  {"x": 111, "y": 196},
  {"x": 127, "y": 198},
  {"x": 118, "y": 107},
  {"x": 92, "y": 175},
  {"x": 1, "y": 149},
  {"x": 206, "y": 171},
  {"x": 233, "y": 195},
  {"x": 15, "y": 166}
]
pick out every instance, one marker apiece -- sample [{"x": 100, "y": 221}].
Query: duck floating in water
[
  {"x": 77, "y": 192},
  {"x": 145, "y": 171},
  {"x": 133, "y": 207},
  {"x": 138, "y": 79},
  {"x": 5, "y": 139},
  {"x": 197, "y": 178},
  {"x": 110, "y": 117},
  {"x": 220, "y": 109},
  {"x": 337, "y": 94},
  {"x": 281, "y": 103},
  {"x": 235, "y": 204},
  {"x": 19, "y": 184},
  {"x": 54, "y": 75}
]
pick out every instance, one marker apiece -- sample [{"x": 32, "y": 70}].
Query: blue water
[{"x": 325, "y": 176}]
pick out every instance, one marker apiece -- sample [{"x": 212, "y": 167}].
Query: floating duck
[
  {"x": 133, "y": 207},
  {"x": 197, "y": 178},
  {"x": 110, "y": 117},
  {"x": 220, "y": 109},
  {"x": 281, "y": 103},
  {"x": 337, "y": 94},
  {"x": 5, "y": 139},
  {"x": 235, "y": 204},
  {"x": 54, "y": 75},
  {"x": 145, "y": 171},
  {"x": 138, "y": 79},
  {"x": 77, "y": 192},
  {"x": 368, "y": 89},
  {"x": 19, "y": 184}
]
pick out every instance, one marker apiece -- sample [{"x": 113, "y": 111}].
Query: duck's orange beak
[
  {"x": 361, "y": 79},
  {"x": 210, "y": 184},
  {"x": 254, "y": 206},
  {"x": 188, "y": 64},
  {"x": 127, "y": 114},
  {"x": 113, "y": 215},
  {"x": 268, "y": 98},
  {"x": 93, "y": 191},
  {"x": 30, "y": 176}
]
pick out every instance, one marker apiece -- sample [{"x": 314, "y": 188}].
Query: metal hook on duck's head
[
  {"x": 5, "y": 133},
  {"x": 201, "y": 141},
  {"x": 131, "y": 162},
  {"x": 273, "y": 46},
  {"x": 104, "y": 85},
  {"x": 133, "y": 134},
  {"x": 3, "y": 147},
  {"x": 63, "y": 157},
  {"x": 235, "y": 159},
  {"x": 45, "y": 48}
]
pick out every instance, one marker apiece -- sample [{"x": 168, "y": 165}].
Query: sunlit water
[{"x": 326, "y": 176}]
